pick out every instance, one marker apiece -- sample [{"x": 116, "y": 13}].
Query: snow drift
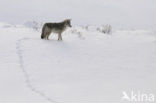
[{"x": 91, "y": 68}]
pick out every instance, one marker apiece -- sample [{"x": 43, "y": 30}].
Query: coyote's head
[{"x": 67, "y": 22}]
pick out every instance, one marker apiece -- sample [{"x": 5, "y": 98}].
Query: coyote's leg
[
  {"x": 45, "y": 36},
  {"x": 48, "y": 36},
  {"x": 59, "y": 36},
  {"x": 47, "y": 33}
]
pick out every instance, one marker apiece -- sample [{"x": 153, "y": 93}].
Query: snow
[{"x": 91, "y": 68}]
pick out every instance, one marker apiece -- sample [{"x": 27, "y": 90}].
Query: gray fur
[{"x": 58, "y": 28}]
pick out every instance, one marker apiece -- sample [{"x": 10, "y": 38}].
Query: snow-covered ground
[{"x": 86, "y": 67}]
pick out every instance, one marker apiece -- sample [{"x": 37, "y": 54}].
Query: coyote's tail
[
  {"x": 42, "y": 35},
  {"x": 43, "y": 32}
]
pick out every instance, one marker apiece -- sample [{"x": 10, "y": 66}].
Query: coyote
[{"x": 58, "y": 28}]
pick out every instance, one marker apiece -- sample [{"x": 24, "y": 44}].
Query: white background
[{"x": 139, "y": 14}]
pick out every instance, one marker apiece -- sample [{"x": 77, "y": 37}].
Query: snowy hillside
[{"x": 86, "y": 67}]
